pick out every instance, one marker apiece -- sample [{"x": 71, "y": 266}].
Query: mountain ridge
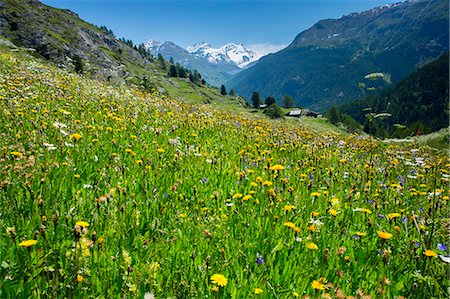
[
  {"x": 324, "y": 64},
  {"x": 217, "y": 65}
]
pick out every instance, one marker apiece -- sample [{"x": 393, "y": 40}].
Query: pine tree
[
  {"x": 232, "y": 93},
  {"x": 269, "y": 101},
  {"x": 78, "y": 64},
  {"x": 182, "y": 72},
  {"x": 162, "y": 61},
  {"x": 256, "y": 100},
  {"x": 223, "y": 91},
  {"x": 333, "y": 115},
  {"x": 173, "y": 71}
]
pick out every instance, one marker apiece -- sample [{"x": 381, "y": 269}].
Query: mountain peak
[
  {"x": 230, "y": 53},
  {"x": 152, "y": 43},
  {"x": 196, "y": 47}
]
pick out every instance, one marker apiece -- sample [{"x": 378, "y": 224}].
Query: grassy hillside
[{"x": 106, "y": 191}]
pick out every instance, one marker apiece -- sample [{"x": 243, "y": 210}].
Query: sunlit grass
[{"x": 127, "y": 193}]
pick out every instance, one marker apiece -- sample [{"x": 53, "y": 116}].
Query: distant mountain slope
[
  {"x": 217, "y": 65},
  {"x": 418, "y": 104},
  {"x": 325, "y": 63},
  {"x": 214, "y": 73},
  {"x": 60, "y": 35}
]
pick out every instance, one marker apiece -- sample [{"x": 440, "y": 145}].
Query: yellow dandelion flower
[
  {"x": 317, "y": 285},
  {"x": 288, "y": 207},
  {"x": 361, "y": 234},
  {"x": 80, "y": 278},
  {"x": 75, "y": 136},
  {"x": 430, "y": 253},
  {"x": 277, "y": 167},
  {"x": 332, "y": 212},
  {"x": 258, "y": 291},
  {"x": 267, "y": 183},
  {"x": 28, "y": 243},
  {"x": 289, "y": 224},
  {"x": 82, "y": 223},
  {"x": 315, "y": 214},
  {"x": 16, "y": 154},
  {"x": 219, "y": 279},
  {"x": 315, "y": 194},
  {"x": 363, "y": 210},
  {"x": 237, "y": 195},
  {"x": 312, "y": 246},
  {"x": 393, "y": 215},
  {"x": 247, "y": 197},
  {"x": 384, "y": 235},
  {"x": 160, "y": 150}
]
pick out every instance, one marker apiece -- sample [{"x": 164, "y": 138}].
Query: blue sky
[{"x": 261, "y": 25}]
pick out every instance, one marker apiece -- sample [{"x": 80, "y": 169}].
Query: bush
[{"x": 274, "y": 111}]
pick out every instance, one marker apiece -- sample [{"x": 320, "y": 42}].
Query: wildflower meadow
[{"x": 110, "y": 192}]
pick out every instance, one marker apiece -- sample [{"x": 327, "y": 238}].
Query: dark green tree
[
  {"x": 78, "y": 64},
  {"x": 274, "y": 111},
  {"x": 182, "y": 72},
  {"x": 333, "y": 115},
  {"x": 171, "y": 60},
  {"x": 269, "y": 101},
  {"x": 256, "y": 100},
  {"x": 287, "y": 101},
  {"x": 232, "y": 93},
  {"x": 223, "y": 91},
  {"x": 162, "y": 61},
  {"x": 173, "y": 71}
]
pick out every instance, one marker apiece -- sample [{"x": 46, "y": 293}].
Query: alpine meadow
[{"x": 125, "y": 175}]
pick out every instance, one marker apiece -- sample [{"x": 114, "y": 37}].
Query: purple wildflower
[
  {"x": 442, "y": 246},
  {"x": 259, "y": 259}
]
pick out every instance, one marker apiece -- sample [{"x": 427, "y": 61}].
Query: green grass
[{"x": 128, "y": 193}]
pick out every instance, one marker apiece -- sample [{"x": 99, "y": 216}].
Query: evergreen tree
[
  {"x": 173, "y": 71},
  {"x": 223, "y": 91},
  {"x": 162, "y": 61},
  {"x": 269, "y": 101},
  {"x": 182, "y": 72},
  {"x": 232, "y": 93},
  {"x": 256, "y": 100},
  {"x": 171, "y": 60},
  {"x": 78, "y": 64},
  {"x": 333, "y": 115},
  {"x": 288, "y": 101}
]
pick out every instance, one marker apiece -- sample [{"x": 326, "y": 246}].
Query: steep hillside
[
  {"x": 61, "y": 36},
  {"x": 325, "y": 63},
  {"x": 418, "y": 104}
]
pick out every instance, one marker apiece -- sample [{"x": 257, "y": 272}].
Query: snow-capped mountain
[{"x": 229, "y": 53}]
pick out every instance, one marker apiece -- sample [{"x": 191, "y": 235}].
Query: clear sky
[{"x": 263, "y": 26}]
